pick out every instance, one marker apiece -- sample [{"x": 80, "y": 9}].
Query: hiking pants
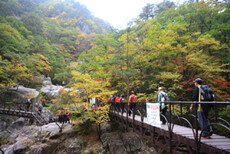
[
  {"x": 203, "y": 121},
  {"x": 164, "y": 112}
]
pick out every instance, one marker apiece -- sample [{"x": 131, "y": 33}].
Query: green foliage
[{"x": 55, "y": 30}]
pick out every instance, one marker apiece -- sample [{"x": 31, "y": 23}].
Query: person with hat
[
  {"x": 132, "y": 102},
  {"x": 162, "y": 97},
  {"x": 28, "y": 105},
  {"x": 202, "y": 113},
  {"x": 122, "y": 101},
  {"x": 110, "y": 99},
  {"x": 117, "y": 102}
]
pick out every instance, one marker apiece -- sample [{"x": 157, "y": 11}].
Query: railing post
[
  {"x": 133, "y": 115},
  {"x": 196, "y": 125},
  {"x": 170, "y": 128},
  {"x": 127, "y": 112},
  {"x": 216, "y": 114}
]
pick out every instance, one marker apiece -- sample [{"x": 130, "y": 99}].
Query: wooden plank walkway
[
  {"x": 15, "y": 112},
  {"x": 216, "y": 141}
]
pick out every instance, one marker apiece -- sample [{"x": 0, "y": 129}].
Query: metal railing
[
  {"x": 22, "y": 110},
  {"x": 180, "y": 118}
]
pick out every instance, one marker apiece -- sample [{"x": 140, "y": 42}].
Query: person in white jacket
[{"x": 162, "y": 97}]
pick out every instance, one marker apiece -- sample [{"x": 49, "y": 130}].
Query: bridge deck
[{"x": 216, "y": 141}]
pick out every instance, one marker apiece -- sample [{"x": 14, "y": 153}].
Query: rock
[
  {"x": 105, "y": 127},
  {"x": 17, "y": 125},
  {"x": 3, "y": 125},
  {"x": 132, "y": 142},
  {"x": 36, "y": 149},
  {"x": 6, "y": 121},
  {"x": 85, "y": 29},
  {"x": 72, "y": 146},
  {"x": 50, "y": 148},
  {"x": 19, "y": 147},
  {"x": 8, "y": 149},
  {"x": 47, "y": 82},
  {"x": 51, "y": 91},
  {"x": 32, "y": 130},
  {"x": 22, "y": 94},
  {"x": 43, "y": 148},
  {"x": 12, "y": 137},
  {"x": 153, "y": 150},
  {"x": 50, "y": 129},
  {"x": 113, "y": 143}
]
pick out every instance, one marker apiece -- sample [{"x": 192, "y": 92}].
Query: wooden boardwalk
[
  {"x": 26, "y": 114},
  {"x": 217, "y": 142}
]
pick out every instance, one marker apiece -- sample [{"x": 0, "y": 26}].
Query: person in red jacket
[
  {"x": 132, "y": 102},
  {"x": 117, "y": 102},
  {"x": 110, "y": 99},
  {"x": 68, "y": 115}
]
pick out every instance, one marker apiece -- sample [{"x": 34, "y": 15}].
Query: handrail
[
  {"x": 141, "y": 109},
  {"x": 21, "y": 109}
]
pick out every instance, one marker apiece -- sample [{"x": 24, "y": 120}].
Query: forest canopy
[{"x": 166, "y": 45}]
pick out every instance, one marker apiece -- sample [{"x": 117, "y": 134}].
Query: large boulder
[
  {"x": 50, "y": 129},
  {"x": 105, "y": 127},
  {"x": 73, "y": 146},
  {"x": 19, "y": 147},
  {"x": 36, "y": 149},
  {"x": 47, "y": 82},
  {"x": 43, "y": 148},
  {"x": 113, "y": 143},
  {"x": 17, "y": 125},
  {"x": 21, "y": 94},
  {"x": 51, "y": 91},
  {"x": 132, "y": 142}
]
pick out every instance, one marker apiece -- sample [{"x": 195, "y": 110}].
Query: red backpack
[{"x": 134, "y": 98}]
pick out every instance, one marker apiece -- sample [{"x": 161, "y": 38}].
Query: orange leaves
[
  {"x": 63, "y": 92},
  {"x": 41, "y": 63},
  {"x": 83, "y": 35},
  {"x": 61, "y": 48},
  {"x": 41, "y": 99}
]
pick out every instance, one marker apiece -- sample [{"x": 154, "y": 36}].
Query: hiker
[
  {"x": 117, "y": 102},
  {"x": 122, "y": 101},
  {"x": 65, "y": 118},
  {"x": 94, "y": 108},
  {"x": 59, "y": 116},
  {"x": 62, "y": 117},
  {"x": 68, "y": 116},
  {"x": 202, "y": 110},
  {"x": 132, "y": 102},
  {"x": 162, "y": 97},
  {"x": 28, "y": 105},
  {"x": 110, "y": 99},
  {"x": 40, "y": 107},
  {"x": 101, "y": 104}
]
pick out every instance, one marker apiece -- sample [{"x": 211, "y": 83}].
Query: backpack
[
  {"x": 122, "y": 100},
  {"x": 207, "y": 93},
  {"x": 165, "y": 96},
  {"x": 134, "y": 98},
  {"x": 114, "y": 98}
]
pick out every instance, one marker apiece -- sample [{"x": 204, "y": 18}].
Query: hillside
[{"x": 43, "y": 37}]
